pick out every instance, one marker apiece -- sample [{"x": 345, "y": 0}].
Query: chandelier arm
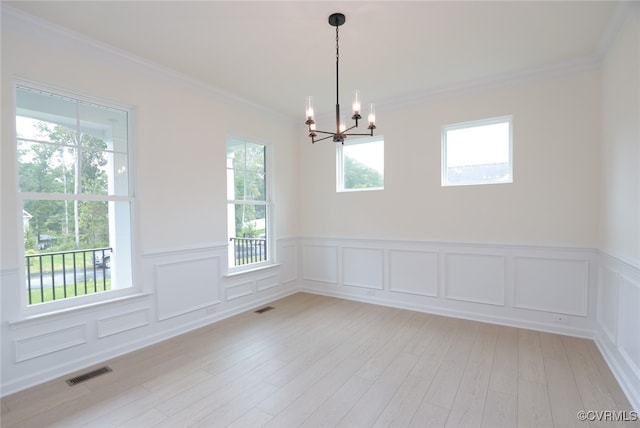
[
  {"x": 323, "y": 138},
  {"x": 349, "y": 129},
  {"x": 324, "y": 132},
  {"x": 348, "y": 135}
]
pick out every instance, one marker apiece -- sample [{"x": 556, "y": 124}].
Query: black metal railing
[
  {"x": 59, "y": 275},
  {"x": 249, "y": 250}
]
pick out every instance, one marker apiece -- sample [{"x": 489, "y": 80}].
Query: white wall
[
  {"x": 618, "y": 326},
  {"x": 180, "y": 217},
  {"x": 554, "y": 199}
]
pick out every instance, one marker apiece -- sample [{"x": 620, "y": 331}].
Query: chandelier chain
[{"x": 337, "y": 45}]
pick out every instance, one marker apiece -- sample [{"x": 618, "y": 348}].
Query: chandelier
[{"x": 341, "y": 132}]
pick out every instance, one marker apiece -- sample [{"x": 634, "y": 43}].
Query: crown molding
[
  {"x": 28, "y": 26},
  {"x": 575, "y": 67}
]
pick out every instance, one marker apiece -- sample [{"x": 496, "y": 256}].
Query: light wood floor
[{"x": 317, "y": 361}]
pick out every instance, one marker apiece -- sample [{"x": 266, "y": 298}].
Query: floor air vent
[
  {"x": 263, "y": 310},
  {"x": 76, "y": 380}
]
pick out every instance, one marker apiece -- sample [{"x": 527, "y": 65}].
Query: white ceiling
[{"x": 274, "y": 53}]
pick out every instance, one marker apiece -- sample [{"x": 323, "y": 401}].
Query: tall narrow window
[
  {"x": 360, "y": 164},
  {"x": 73, "y": 166},
  {"x": 247, "y": 203},
  {"x": 478, "y": 152}
]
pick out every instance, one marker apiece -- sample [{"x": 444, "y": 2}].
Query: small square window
[
  {"x": 477, "y": 152},
  {"x": 360, "y": 164}
]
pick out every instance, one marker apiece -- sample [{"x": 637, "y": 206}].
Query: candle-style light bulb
[
  {"x": 343, "y": 123},
  {"x": 372, "y": 115},
  {"x": 309, "y": 109},
  {"x": 356, "y": 103}
]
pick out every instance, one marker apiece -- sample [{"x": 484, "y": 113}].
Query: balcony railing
[
  {"x": 60, "y": 275},
  {"x": 249, "y": 250}
]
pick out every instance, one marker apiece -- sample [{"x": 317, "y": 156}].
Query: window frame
[
  {"x": 232, "y": 268},
  {"x": 82, "y": 301},
  {"x": 475, "y": 124},
  {"x": 340, "y": 171}
]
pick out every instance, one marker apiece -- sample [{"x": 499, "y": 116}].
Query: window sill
[
  {"x": 35, "y": 317},
  {"x": 251, "y": 270}
]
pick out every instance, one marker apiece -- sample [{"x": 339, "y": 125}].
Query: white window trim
[
  {"x": 89, "y": 300},
  {"x": 340, "y": 163},
  {"x": 469, "y": 124}
]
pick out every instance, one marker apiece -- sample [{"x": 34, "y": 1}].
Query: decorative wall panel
[
  {"x": 629, "y": 338},
  {"x": 475, "y": 278},
  {"x": 363, "y": 267},
  {"x": 185, "y": 286},
  {"x": 48, "y": 343},
  {"x": 413, "y": 272},
  {"x": 551, "y": 285},
  {"x": 320, "y": 263},
  {"x": 607, "y": 313},
  {"x": 123, "y": 322},
  {"x": 267, "y": 282},
  {"x": 239, "y": 290},
  {"x": 288, "y": 254}
]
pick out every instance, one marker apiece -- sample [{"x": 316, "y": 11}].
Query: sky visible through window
[{"x": 478, "y": 145}]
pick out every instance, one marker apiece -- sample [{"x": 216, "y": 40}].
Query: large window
[
  {"x": 73, "y": 167},
  {"x": 478, "y": 152},
  {"x": 360, "y": 164},
  {"x": 247, "y": 203}
]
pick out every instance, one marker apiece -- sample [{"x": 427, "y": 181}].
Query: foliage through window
[
  {"x": 248, "y": 202},
  {"x": 477, "y": 152},
  {"x": 360, "y": 164},
  {"x": 73, "y": 168}
]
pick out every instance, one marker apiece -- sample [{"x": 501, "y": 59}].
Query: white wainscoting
[
  {"x": 187, "y": 285},
  {"x": 320, "y": 263},
  {"x": 617, "y": 331},
  {"x": 544, "y": 288},
  {"x": 413, "y": 272},
  {"x": 552, "y": 285},
  {"x": 50, "y": 342},
  {"x": 477, "y": 278},
  {"x": 363, "y": 267},
  {"x": 123, "y": 321},
  {"x": 179, "y": 290}
]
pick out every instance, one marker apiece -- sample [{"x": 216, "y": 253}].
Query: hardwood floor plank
[
  {"x": 593, "y": 390},
  {"x": 500, "y": 410},
  {"x": 563, "y": 394},
  {"x": 366, "y": 411},
  {"x": 534, "y": 409},
  {"x": 429, "y": 415},
  {"x": 331, "y": 411},
  {"x": 530, "y": 360},
  {"x": 404, "y": 404},
  {"x": 148, "y": 419},
  {"x": 444, "y": 386},
  {"x": 469, "y": 403},
  {"x": 504, "y": 370},
  {"x": 236, "y": 409},
  {"x": 306, "y": 404},
  {"x": 253, "y": 418}
]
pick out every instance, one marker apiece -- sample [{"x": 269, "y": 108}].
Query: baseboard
[{"x": 467, "y": 315}]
